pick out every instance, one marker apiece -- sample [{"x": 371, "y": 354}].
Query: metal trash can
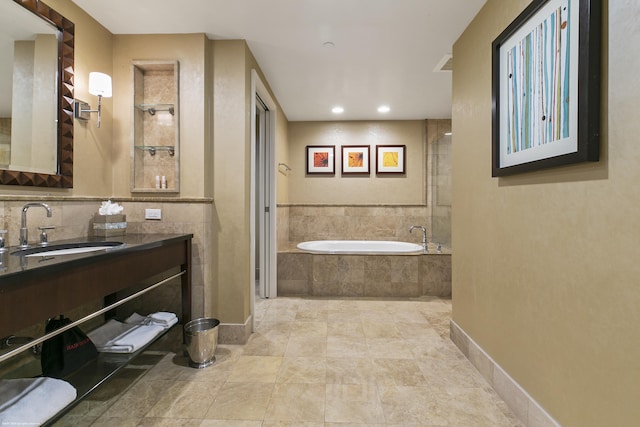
[{"x": 201, "y": 337}]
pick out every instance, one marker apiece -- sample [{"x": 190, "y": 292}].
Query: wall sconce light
[{"x": 99, "y": 85}]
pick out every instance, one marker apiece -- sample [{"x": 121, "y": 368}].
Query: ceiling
[{"x": 316, "y": 54}]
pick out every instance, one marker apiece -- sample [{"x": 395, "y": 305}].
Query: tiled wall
[
  {"x": 364, "y": 275},
  {"x": 355, "y": 275},
  {"x": 349, "y": 222},
  {"x": 155, "y": 84}
]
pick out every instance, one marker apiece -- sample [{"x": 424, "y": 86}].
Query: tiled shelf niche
[{"x": 156, "y": 129}]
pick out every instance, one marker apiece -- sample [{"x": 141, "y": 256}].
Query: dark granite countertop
[{"x": 15, "y": 266}]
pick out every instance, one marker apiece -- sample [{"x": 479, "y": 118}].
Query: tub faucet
[
  {"x": 24, "y": 240},
  {"x": 424, "y": 236}
]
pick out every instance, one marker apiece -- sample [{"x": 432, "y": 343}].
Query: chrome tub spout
[{"x": 424, "y": 236}]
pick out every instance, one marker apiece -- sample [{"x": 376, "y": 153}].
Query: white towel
[
  {"x": 162, "y": 318},
  {"x": 111, "y": 330},
  {"x": 132, "y": 340},
  {"x": 134, "y": 333},
  {"x": 32, "y": 401},
  {"x": 135, "y": 319}
]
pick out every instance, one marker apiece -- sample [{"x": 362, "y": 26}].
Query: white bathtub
[{"x": 360, "y": 247}]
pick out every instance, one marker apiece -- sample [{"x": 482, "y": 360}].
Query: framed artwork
[
  {"x": 355, "y": 160},
  {"x": 390, "y": 159},
  {"x": 321, "y": 159},
  {"x": 546, "y": 87}
]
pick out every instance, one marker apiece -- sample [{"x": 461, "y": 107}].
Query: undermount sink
[{"x": 67, "y": 248}]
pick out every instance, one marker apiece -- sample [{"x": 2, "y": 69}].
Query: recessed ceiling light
[
  {"x": 384, "y": 109},
  {"x": 337, "y": 110},
  {"x": 448, "y": 133}
]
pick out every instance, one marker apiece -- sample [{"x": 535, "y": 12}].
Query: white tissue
[{"x": 108, "y": 208}]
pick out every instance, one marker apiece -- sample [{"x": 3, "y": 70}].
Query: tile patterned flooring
[{"x": 312, "y": 362}]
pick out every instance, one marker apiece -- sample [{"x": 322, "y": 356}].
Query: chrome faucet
[
  {"x": 24, "y": 233},
  {"x": 424, "y": 236}
]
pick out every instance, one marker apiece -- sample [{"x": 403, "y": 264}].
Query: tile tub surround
[
  {"x": 521, "y": 404},
  {"x": 314, "y": 362},
  {"x": 399, "y": 276},
  {"x": 374, "y": 222}
]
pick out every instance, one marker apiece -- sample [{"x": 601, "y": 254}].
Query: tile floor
[{"x": 312, "y": 362}]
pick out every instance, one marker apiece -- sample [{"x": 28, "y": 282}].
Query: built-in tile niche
[{"x": 156, "y": 154}]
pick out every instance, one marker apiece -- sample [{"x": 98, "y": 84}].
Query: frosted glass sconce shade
[{"x": 100, "y": 84}]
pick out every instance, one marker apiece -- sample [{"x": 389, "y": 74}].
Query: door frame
[{"x": 258, "y": 88}]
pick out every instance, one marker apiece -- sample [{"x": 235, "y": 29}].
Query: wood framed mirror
[{"x": 60, "y": 141}]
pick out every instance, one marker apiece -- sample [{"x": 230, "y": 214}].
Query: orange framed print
[
  {"x": 391, "y": 159},
  {"x": 355, "y": 160},
  {"x": 321, "y": 159}
]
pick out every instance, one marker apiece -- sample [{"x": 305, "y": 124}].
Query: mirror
[{"x": 36, "y": 102}]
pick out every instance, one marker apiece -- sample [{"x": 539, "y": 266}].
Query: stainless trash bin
[{"x": 201, "y": 338}]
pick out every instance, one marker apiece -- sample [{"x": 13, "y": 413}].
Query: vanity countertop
[
  {"x": 17, "y": 267},
  {"x": 36, "y": 288}
]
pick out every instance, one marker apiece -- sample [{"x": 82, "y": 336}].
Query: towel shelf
[
  {"x": 110, "y": 307},
  {"x": 97, "y": 372},
  {"x": 61, "y": 284}
]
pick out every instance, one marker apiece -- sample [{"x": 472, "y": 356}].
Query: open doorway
[
  {"x": 261, "y": 183},
  {"x": 263, "y": 197}
]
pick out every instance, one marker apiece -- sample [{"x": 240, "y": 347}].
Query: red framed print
[{"x": 321, "y": 159}]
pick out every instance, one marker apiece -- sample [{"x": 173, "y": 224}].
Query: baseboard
[
  {"x": 234, "y": 333},
  {"x": 528, "y": 411}
]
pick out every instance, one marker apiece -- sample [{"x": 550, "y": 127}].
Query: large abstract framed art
[{"x": 546, "y": 87}]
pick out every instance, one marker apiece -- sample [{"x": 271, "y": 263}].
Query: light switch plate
[{"x": 152, "y": 214}]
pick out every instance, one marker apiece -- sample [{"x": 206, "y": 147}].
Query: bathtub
[
  {"x": 360, "y": 247},
  {"x": 359, "y": 268}
]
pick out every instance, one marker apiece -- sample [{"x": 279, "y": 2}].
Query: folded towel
[
  {"x": 135, "y": 319},
  {"x": 132, "y": 334},
  {"x": 132, "y": 340},
  {"x": 108, "y": 332},
  {"x": 32, "y": 401},
  {"x": 162, "y": 318}
]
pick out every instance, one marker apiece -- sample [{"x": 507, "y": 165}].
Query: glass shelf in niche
[
  {"x": 153, "y": 149},
  {"x": 154, "y": 108}
]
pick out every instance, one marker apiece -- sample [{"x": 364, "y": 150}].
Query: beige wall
[
  {"x": 372, "y": 189},
  {"x": 545, "y": 268},
  {"x": 283, "y": 176},
  {"x": 233, "y": 280},
  {"x": 189, "y": 51},
  {"x": 231, "y": 182}
]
